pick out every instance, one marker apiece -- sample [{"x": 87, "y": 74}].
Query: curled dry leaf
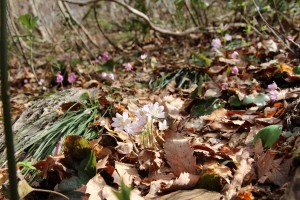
[
  {"x": 179, "y": 155},
  {"x": 95, "y": 186}
]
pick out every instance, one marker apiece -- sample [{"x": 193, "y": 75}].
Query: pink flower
[
  {"x": 103, "y": 74},
  {"x": 290, "y": 37},
  {"x": 59, "y": 78},
  {"x": 228, "y": 37},
  {"x": 235, "y": 70},
  {"x": 273, "y": 95},
  {"x": 216, "y": 43},
  {"x": 105, "y": 57},
  {"x": 234, "y": 54},
  {"x": 272, "y": 86},
  {"x": 154, "y": 110},
  {"x": 111, "y": 76},
  {"x": 224, "y": 86},
  {"x": 121, "y": 122},
  {"x": 128, "y": 66},
  {"x": 72, "y": 78}
]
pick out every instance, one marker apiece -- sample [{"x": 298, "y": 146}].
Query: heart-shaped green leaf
[{"x": 269, "y": 135}]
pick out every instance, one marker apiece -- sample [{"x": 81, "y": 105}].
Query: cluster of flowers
[
  {"x": 102, "y": 58},
  {"x": 71, "y": 79},
  {"x": 144, "y": 118}
]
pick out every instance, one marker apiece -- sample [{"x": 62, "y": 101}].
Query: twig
[
  {"x": 141, "y": 15},
  {"x": 270, "y": 28},
  {"x": 104, "y": 35}
]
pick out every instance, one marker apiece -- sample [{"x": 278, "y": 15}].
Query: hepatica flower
[
  {"x": 272, "y": 86},
  {"x": 121, "y": 122},
  {"x": 234, "y": 54},
  {"x": 154, "y": 110},
  {"x": 59, "y": 78},
  {"x": 228, "y": 37},
  {"x": 72, "y": 78},
  {"x": 104, "y": 57},
  {"x": 143, "y": 56},
  {"x": 103, "y": 74},
  {"x": 216, "y": 43},
  {"x": 162, "y": 125},
  {"x": 235, "y": 70},
  {"x": 273, "y": 93},
  {"x": 128, "y": 66},
  {"x": 111, "y": 76}
]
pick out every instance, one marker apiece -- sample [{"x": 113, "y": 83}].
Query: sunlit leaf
[
  {"x": 77, "y": 147},
  {"x": 269, "y": 135}
]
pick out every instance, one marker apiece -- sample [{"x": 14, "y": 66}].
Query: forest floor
[{"x": 221, "y": 119}]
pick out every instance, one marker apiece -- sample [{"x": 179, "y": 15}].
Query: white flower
[
  {"x": 234, "y": 54},
  {"x": 216, "y": 43},
  {"x": 121, "y": 122},
  {"x": 102, "y": 122},
  {"x": 124, "y": 148},
  {"x": 162, "y": 125},
  {"x": 103, "y": 74},
  {"x": 143, "y": 56},
  {"x": 134, "y": 128},
  {"x": 272, "y": 86},
  {"x": 111, "y": 76},
  {"x": 228, "y": 37},
  {"x": 154, "y": 110}
]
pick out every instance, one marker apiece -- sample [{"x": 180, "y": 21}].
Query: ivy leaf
[{"x": 269, "y": 135}]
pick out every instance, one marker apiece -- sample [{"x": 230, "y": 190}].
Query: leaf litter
[{"x": 226, "y": 136}]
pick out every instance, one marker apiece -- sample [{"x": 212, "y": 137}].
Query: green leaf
[
  {"x": 210, "y": 181},
  {"x": 261, "y": 99},
  {"x": 108, "y": 66},
  {"x": 28, "y": 21},
  {"x": 201, "y": 60},
  {"x": 204, "y": 107},
  {"x": 77, "y": 147},
  {"x": 269, "y": 135},
  {"x": 87, "y": 167},
  {"x": 234, "y": 101},
  {"x": 296, "y": 70},
  {"x": 248, "y": 100},
  {"x": 124, "y": 194}
]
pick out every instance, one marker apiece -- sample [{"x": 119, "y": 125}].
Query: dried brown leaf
[
  {"x": 95, "y": 186},
  {"x": 179, "y": 155}
]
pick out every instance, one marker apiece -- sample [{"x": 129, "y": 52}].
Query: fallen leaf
[
  {"x": 195, "y": 194},
  {"x": 95, "y": 186},
  {"x": 179, "y": 155}
]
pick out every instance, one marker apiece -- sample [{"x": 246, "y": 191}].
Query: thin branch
[
  {"x": 270, "y": 28},
  {"x": 101, "y": 30},
  {"x": 141, "y": 15}
]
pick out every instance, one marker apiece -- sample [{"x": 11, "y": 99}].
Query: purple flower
[
  {"x": 41, "y": 81},
  {"x": 72, "y": 78},
  {"x": 290, "y": 37},
  {"x": 128, "y": 66},
  {"x": 235, "y": 70},
  {"x": 228, "y": 37},
  {"x": 59, "y": 78},
  {"x": 273, "y": 95},
  {"x": 216, "y": 43},
  {"x": 234, "y": 54},
  {"x": 105, "y": 57},
  {"x": 272, "y": 86},
  {"x": 103, "y": 74},
  {"x": 224, "y": 86},
  {"x": 111, "y": 76}
]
